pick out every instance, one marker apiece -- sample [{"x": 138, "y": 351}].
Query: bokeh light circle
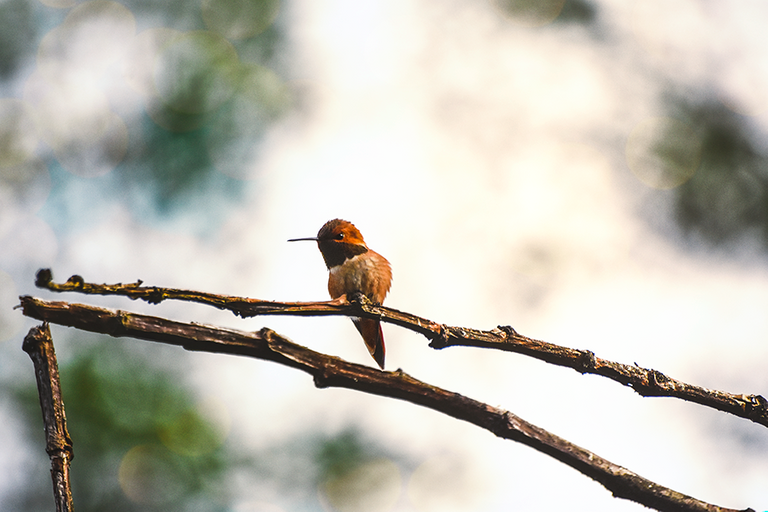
[
  {"x": 197, "y": 431},
  {"x": 444, "y": 483},
  {"x": 25, "y": 186},
  {"x": 144, "y": 50},
  {"x": 67, "y": 110},
  {"x": 663, "y": 152},
  {"x": 18, "y": 132},
  {"x": 93, "y": 36},
  {"x": 373, "y": 486},
  {"x": 147, "y": 476},
  {"x": 264, "y": 86}
]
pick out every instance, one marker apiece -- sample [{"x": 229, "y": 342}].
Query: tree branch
[
  {"x": 646, "y": 382},
  {"x": 329, "y": 371},
  {"x": 39, "y": 345}
]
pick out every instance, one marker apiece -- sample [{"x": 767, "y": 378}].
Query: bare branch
[
  {"x": 329, "y": 371},
  {"x": 646, "y": 382},
  {"x": 39, "y": 345}
]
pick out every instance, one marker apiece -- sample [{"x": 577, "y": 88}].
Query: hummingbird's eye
[{"x": 340, "y": 236}]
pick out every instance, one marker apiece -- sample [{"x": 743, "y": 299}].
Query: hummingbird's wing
[{"x": 373, "y": 336}]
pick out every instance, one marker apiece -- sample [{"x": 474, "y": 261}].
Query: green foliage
[
  {"x": 176, "y": 113},
  {"x": 341, "y": 454},
  {"x": 727, "y": 197},
  {"x": 16, "y": 33},
  {"x": 143, "y": 443},
  {"x": 140, "y": 442}
]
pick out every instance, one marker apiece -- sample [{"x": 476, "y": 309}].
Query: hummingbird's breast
[{"x": 368, "y": 273}]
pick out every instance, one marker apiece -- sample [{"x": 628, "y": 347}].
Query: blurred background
[{"x": 591, "y": 172}]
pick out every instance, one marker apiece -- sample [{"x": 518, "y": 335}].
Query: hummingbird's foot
[{"x": 363, "y": 299}]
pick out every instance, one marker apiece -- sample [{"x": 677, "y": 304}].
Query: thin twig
[
  {"x": 39, "y": 345},
  {"x": 646, "y": 382},
  {"x": 329, "y": 371}
]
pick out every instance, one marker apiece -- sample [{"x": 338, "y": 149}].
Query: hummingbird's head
[{"x": 338, "y": 240}]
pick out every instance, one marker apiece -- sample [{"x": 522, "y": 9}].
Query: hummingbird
[{"x": 352, "y": 268}]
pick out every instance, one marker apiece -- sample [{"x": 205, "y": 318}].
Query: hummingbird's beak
[{"x": 313, "y": 239}]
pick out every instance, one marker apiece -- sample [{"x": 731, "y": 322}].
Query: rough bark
[
  {"x": 39, "y": 345},
  {"x": 646, "y": 382},
  {"x": 329, "y": 371}
]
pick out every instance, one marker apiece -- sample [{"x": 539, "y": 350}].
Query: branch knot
[
  {"x": 501, "y": 426},
  {"x": 322, "y": 376},
  {"x": 439, "y": 339},
  {"x": 756, "y": 407},
  {"x": 267, "y": 335},
  {"x": 587, "y": 362},
  {"x": 508, "y": 331},
  {"x": 76, "y": 281},
  {"x": 657, "y": 379}
]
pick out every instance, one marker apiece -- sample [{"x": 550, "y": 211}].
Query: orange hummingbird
[{"x": 353, "y": 267}]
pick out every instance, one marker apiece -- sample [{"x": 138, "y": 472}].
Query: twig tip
[{"x": 43, "y": 278}]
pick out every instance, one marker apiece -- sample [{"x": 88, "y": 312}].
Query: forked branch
[
  {"x": 329, "y": 371},
  {"x": 646, "y": 382}
]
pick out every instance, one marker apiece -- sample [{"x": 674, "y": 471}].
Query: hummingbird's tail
[{"x": 373, "y": 336}]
